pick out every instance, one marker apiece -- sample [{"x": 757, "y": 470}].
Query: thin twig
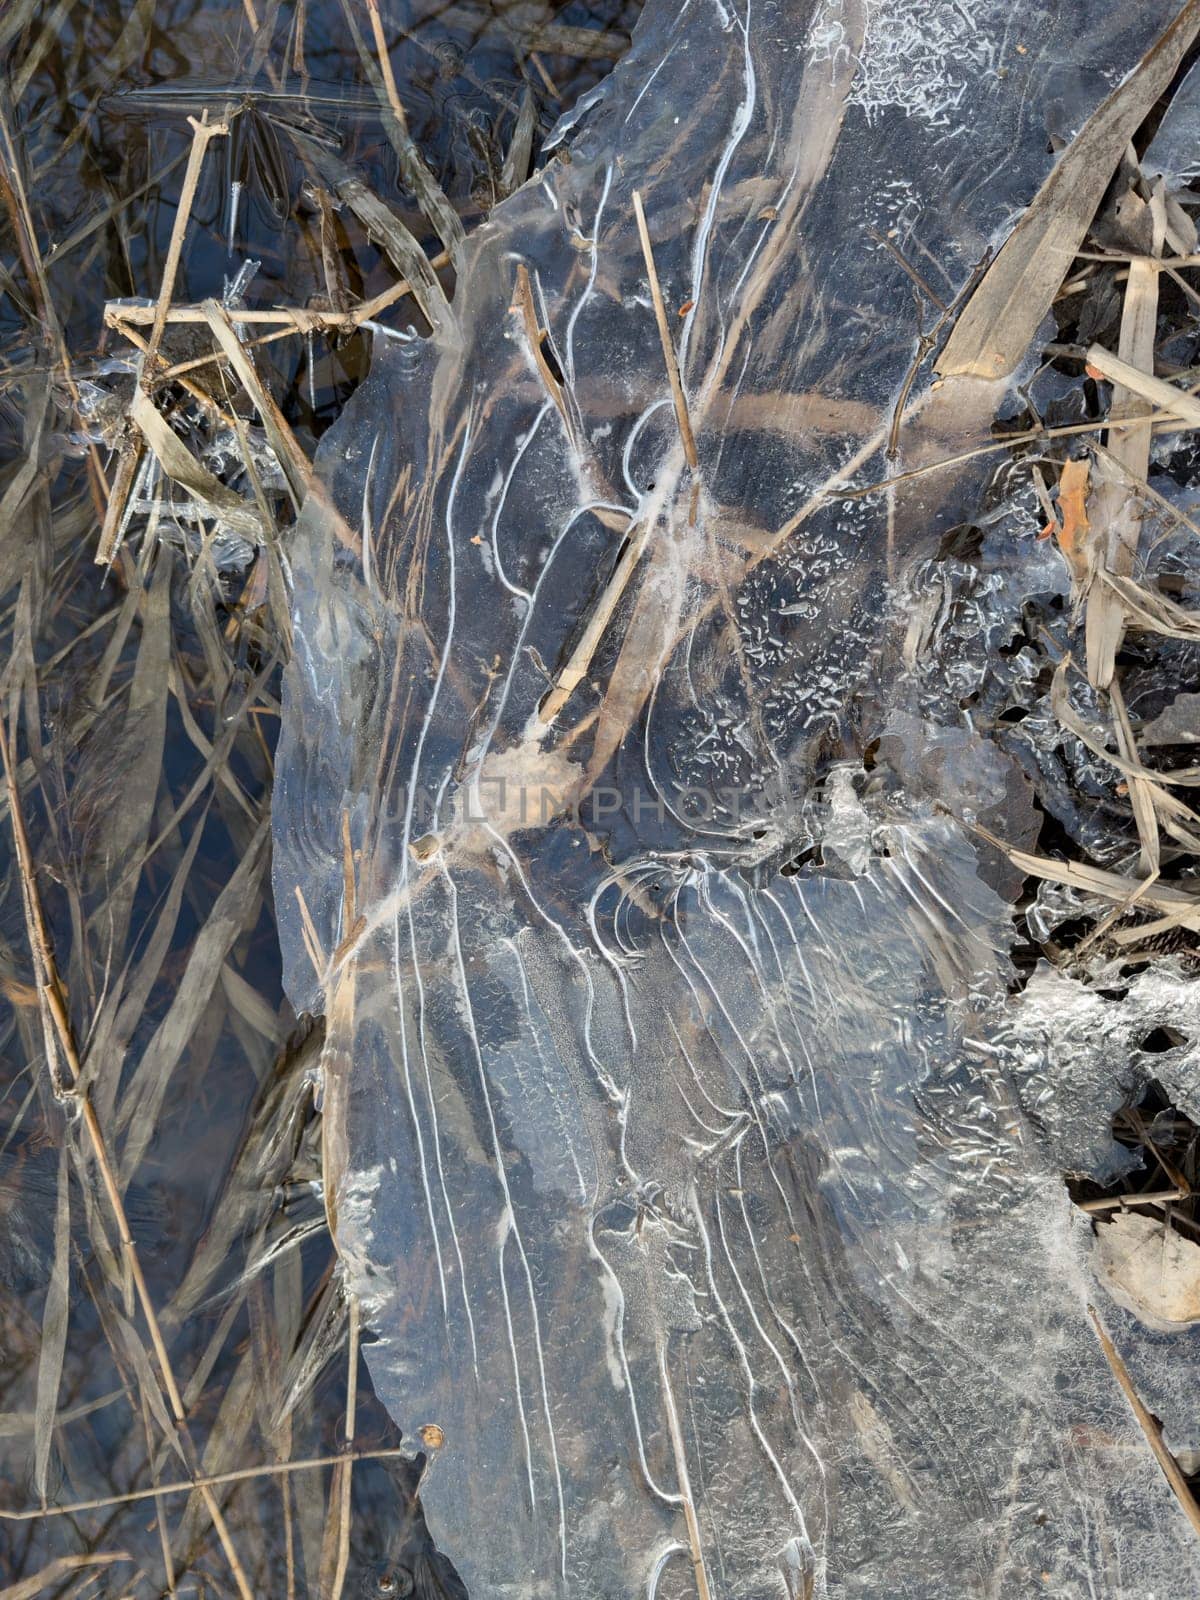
[{"x": 1148, "y": 1425}]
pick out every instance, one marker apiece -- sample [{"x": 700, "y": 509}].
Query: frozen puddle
[{"x": 698, "y": 1177}]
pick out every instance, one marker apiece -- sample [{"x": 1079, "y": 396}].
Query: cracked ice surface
[{"x": 695, "y": 1200}]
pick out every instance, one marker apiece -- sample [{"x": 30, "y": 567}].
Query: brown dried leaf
[
  {"x": 1072, "y": 531},
  {"x": 1149, "y": 1269}
]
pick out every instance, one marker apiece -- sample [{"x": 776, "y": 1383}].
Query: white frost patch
[
  {"x": 357, "y": 1205},
  {"x": 920, "y": 58}
]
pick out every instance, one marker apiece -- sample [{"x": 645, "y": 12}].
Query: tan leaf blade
[{"x": 1000, "y": 319}]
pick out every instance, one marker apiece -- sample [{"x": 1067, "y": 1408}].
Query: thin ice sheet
[{"x": 671, "y": 1150}]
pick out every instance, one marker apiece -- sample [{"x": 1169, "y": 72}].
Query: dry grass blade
[
  {"x": 232, "y": 913},
  {"x": 60, "y": 1570},
  {"x": 414, "y": 170},
  {"x": 382, "y": 223},
  {"x": 60, "y": 1037},
  {"x": 116, "y": 516},
  {"x": 1169, "y": 400},
  {"x": 1153, "y": 612},
  {"x": 123, "y": 831},
  {"x": 560, "y": 39},
  {"x": 218, "y": 1480},
  {"x": 1181, "y": 907},
  {"x": 1001, "y": 318},
  {"x": 1141, "y": 790},
  {"x": 576, "y": 667},
  {"x": 16, "y": 491},
  {"x": 1060, "y": 703},
  {"x": 383, "y": 55},
  {"x": 520, "y": 150}
]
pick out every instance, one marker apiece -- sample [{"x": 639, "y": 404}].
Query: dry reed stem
[
  {"x": 664, "y": 334},
  {"x": 294, "y": 319},
  {"x": 579, "y": 663},
  {"x": 345, "y": 1471},
  {"x": 385, "y": 65},
  {"x": 203, "y": 132},
  {"x": 51, "y": 994},
  {"x": 1115, "y": 508},
  {"x": 685, "y": 1487},
  {"x": 269, "y": 1469},
  {"x": 60, "y": 1569}
]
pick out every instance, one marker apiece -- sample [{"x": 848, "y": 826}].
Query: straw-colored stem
[
  {"x": 346, "y": 1471},
  {"x": 385, "y": 65},
  {"x": 214, "y": 1480},
  {"x": 203, "y": 132},
  {"x": 1170, "y": 1467},
  {"x": 664, "y": 334}
]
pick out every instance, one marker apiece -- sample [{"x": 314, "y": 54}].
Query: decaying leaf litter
[
  {"x": 201, "y": 214},
  {"x": 142, "y": 698}
]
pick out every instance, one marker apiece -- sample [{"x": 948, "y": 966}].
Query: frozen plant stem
[
  {"x": 1148, "y": 1425},
  {"x": 271, "y": 1469},
  {"x": 385, "y": 65},
  {"x": 664, "y": 333},
  {"x": 685, "y": 1487},
  {"x": 342, "y": 1473}
]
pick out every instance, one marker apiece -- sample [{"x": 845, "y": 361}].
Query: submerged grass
[{"x": 181, "y": 1405}]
